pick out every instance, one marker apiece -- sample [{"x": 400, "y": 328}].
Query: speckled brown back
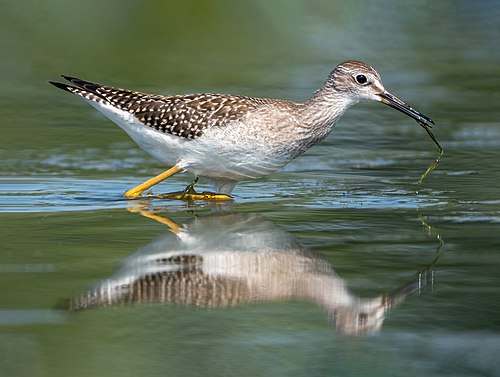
[{"x": 186, "y": 116}]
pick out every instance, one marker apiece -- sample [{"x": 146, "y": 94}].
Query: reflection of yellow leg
[
  {"x": 143, "y": 210},
  {"x": 172, "y": 225},
  {"x": 138, "y": 190}
]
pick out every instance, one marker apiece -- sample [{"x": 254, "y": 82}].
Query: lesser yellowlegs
[
  {"x": 229, "y": 138},
  {"x": 222, "y": 260}
]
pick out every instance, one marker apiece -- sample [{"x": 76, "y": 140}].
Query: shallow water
[{"x": 345, "y": 222}]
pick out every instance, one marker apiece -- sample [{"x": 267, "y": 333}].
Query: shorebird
[
  {"x": 224, "y": 260},
  {"x": 230, "y": 138}
]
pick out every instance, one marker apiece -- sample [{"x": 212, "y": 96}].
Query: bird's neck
[{"x": 320, "y": 113}]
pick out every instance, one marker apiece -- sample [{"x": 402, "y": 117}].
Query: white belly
[{"x": 235, "y": 152}]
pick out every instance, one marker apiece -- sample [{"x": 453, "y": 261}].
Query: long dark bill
[
  {"x": 423, "y": 120},
  {"x": 426, "y": 122},
  {"x": 393, "y": 101}
]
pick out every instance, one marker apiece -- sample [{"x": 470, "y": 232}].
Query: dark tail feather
[
  {"x": 62, "y": 86},
  {"x": 87, "y": 85}
]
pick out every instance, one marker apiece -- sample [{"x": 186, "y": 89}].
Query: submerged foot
[{"x": 190, "y": 194}]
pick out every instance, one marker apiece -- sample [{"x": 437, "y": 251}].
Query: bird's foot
[{"x": 190, "y": 195}]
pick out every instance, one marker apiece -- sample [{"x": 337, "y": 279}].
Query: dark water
[{"x": 337, "y": 265}]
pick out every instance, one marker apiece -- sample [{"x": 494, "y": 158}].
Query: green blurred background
[{"x": 353, "y": 198}]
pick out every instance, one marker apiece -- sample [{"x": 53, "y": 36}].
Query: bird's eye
[{"x": 361, "y": 79}]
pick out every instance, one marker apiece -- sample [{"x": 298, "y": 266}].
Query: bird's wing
[{"x": 186, "y": 116}]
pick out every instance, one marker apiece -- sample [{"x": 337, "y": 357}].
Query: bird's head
[{"x": 358, "y": 81}]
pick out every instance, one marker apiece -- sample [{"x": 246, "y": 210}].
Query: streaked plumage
[
  {"x": 224, "y": 260},
  {"x": 231, "y": 138}
]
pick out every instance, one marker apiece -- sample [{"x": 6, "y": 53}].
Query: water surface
[{"x": 348, "y": 212}]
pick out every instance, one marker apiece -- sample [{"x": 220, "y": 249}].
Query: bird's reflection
[{"x": 221, "y": 260}]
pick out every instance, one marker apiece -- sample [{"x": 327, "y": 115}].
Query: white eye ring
[{"x": 361, "y": 79}]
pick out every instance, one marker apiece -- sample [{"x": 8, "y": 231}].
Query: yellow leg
[{"x": 138, "y": 190}]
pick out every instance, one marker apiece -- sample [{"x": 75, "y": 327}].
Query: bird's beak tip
[{"x": 394, "y": 102}]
